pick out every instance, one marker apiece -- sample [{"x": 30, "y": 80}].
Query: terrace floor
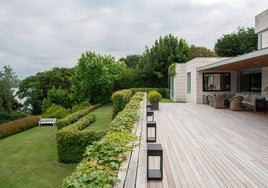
[{"x": 207, "y": 147}]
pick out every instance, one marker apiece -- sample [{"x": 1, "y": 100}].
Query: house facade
[{"x": 246, "y": 73}]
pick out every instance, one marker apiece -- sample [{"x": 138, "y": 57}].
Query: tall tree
[
  {"x": 95, "y": 77},
  {"x": 153, "y": 67},
  {"x": 8, "y": 80},
  {"x": 131, "y": 60},
  {"x": 35, "y": 88},
  {"x": 237, "y": 43}
]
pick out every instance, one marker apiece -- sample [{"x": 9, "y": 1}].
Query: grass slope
[
  {"x": 29, "y": 159},
  {"x": 103, "y": 118}
]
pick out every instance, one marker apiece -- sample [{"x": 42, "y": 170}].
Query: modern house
[{"x": 247, "y": 73}]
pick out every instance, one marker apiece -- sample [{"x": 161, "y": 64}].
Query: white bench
[{"x": 47, "y": 121}]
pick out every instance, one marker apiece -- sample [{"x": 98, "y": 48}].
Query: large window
[
  {"x": 250, "y": 81},
  {"x": 217, "y": 81}
]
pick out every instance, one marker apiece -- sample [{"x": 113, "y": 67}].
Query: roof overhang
[{"x": 254, "y": 59}]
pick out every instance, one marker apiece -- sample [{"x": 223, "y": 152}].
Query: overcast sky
[{"x": 37, "y": 35}]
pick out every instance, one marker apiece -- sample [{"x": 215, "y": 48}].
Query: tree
[
  {"x": 153, "y": 66},
  {"x": 8, "y": 80},
  {"x": 131, "y": 60},
  {"x": 199, "y": 51},
  {"x": 35, "y": 88},
  {"x": 95, "y": 77},
  {"x": 237, "y": 43}
]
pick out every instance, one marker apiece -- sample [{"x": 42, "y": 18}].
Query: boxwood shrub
[
  {"x": 120, "y": 99},
  {"x": 19, "y": 125},
  {"x": 73, "y": 140},
  {"x": 102, "y": 158}
]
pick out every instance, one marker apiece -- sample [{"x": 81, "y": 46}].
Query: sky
[{"x": 37, "y": 35}]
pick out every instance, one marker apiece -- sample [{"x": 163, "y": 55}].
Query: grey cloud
[{"x": 39, "y": 35}]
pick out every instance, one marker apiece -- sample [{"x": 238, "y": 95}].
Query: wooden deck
[{"x": 207, "y": 147}]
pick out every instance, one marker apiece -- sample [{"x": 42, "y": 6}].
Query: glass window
[
  {"x": 188, "y": 82},
  {"x": 250, "y": 81},
  {"x": 217, "y": 81}
]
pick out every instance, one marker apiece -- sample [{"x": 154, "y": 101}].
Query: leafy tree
[
  {"x": 95, "y": 77},
  {"x": 199, "y": 51},
  {"x": 8, "y": 80},
  {"x": 237, "y": 43},
  {"x": 153, "y": 66},
  {"x": 35, "y": 88},
  {"x": 58, "y": 97},
  {"x": 131, "y": 60}
]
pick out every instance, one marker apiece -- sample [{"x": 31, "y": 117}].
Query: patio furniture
[
  {"x": 235, "y": 103},
  {"x": 261, "y": 105},
  {"x": 217, "y": 102},
  {"x": 151, "y": 125},
  {"x": 154, "y": 150}
]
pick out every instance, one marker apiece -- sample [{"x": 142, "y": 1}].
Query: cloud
[{"x": 39, "y": 35}]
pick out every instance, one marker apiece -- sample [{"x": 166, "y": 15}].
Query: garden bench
[{"x": 47, "y": 121}]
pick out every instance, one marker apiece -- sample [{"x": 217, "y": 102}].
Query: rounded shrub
[{"x": 154, "y": 96}]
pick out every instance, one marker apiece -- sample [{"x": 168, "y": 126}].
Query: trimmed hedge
[
  {"x": 19, "y": 125},
  {"x": 103, "y": 158},
  {"x": 163, "y": 91},
  {"x": 120, "y": 99},
  {"x": 73, "y": 140},
  {"x": 74, "y": 117}
]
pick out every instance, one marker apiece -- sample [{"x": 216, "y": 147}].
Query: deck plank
[{"x": 207, "y": 147}]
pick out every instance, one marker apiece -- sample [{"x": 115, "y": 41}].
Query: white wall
[
  {"x": 180, "y": 80},
  {"x": 180, "y": 83},
  {"x": 261, "y": 27}
]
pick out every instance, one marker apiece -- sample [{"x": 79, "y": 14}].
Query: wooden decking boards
[
  {"x": 207, "y": 147},
  {"x": 202, "y": 147}
]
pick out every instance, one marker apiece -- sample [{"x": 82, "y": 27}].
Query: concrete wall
[{"x": 261, "y": 27}]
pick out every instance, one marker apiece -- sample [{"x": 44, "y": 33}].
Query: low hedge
[
  {"x": 72, "y": 140},
  {"x": 120, "y": 99},
  {"x": 103, "y": 158},
  {"x": 74, "y": 117},
  {"x": 19, "y": 125},
  {"x": 163, "y": 91}
]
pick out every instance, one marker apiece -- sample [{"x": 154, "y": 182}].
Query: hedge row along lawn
[{"x": 29, "y": 159}]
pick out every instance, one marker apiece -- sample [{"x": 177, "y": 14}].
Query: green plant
[
  {"x": 56, "y": 111},
  {"x": 72, "y": 140},
  {"x": 102, "y": 159},
  {"x": 74, "y": 117},
  {"x": 120, "y": 99},
  {"x": 154, "y": 96}
]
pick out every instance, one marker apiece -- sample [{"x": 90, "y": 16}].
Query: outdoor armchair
[{"x": 235, "y": 103}]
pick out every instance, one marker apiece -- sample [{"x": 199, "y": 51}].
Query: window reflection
[{"x": 216, "y": 81}]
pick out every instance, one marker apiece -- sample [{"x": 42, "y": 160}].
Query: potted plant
[{"x": 154, "y": 97}]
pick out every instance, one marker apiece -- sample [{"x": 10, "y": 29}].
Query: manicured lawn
[
  {"x": 103, "y": 118},
  {"x": 29, "y": 159}
]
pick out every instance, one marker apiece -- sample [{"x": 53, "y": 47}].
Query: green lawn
[
  {"x": 29, "y": 159},
  {"x": 103, "y": 117}
]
